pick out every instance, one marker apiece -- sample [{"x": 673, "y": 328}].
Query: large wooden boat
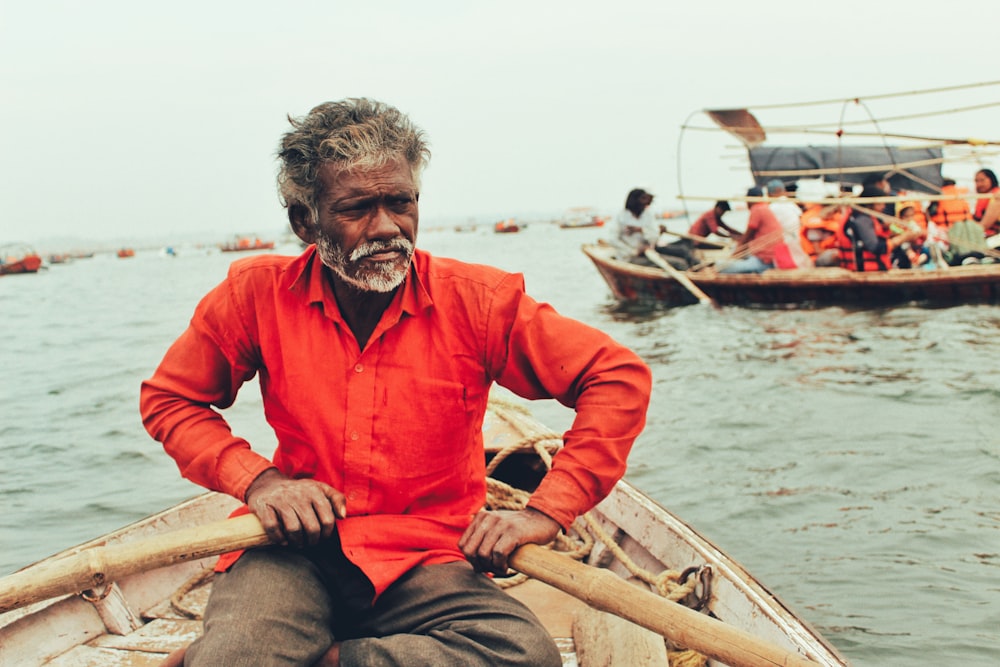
[
  {"x": 825, "y": 156},
  {"x": 813, "y": 287},
  {"x": 19, "y": 258},
  {"x": 141, "y": 618}
]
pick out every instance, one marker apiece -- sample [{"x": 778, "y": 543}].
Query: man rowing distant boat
[{"x": 375, "y": 362}]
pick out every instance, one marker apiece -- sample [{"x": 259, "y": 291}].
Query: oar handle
[
  {"x": 97, "y": 566},
  {"x": 604, "y": 590}
]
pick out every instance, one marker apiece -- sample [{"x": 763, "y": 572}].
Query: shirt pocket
[{"x": 432, "y": 434}]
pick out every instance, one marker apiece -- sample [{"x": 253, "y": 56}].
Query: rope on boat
[
  {"x": 177, "y": 599},
  {"x": 674, "y": 586}
]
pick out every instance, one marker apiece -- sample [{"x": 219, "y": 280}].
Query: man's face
[
  {"x": 982, "y": 183},
  {"x": 367, "y": 224}
]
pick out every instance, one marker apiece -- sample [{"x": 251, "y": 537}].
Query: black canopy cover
[{"x": 828, "y": 160}]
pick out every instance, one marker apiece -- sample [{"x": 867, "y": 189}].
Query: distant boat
[
  {"x": 19, "y": 258},
  {"x": 126, "y": 252},
  {"x": 507, "y": 226},
  {"x": 243, "y": 244},
  {"x": 582, "y": 217}
]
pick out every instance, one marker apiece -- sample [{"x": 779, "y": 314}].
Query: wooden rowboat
[
  {"x": 814, "y": 287},
  {"x": 140, "y": 618}
]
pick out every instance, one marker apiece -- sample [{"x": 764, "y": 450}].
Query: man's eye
[{"x": 400, "y": 204}]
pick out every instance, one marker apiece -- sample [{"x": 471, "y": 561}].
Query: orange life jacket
[
  {"x": 982, "y": 203},
  {"x": 851, "y": 251},
  {"x": 828, "y": 226},
  {"x": 919, "y": 215},
  {"x": 948, "y": 211}
]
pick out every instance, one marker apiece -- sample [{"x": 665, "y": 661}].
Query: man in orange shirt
[
  {"x": 756, "y": 250},
  {"x": 375, "y": 361}
]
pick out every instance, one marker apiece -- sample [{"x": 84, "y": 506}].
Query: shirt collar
[{"x": 307, "y": 275}]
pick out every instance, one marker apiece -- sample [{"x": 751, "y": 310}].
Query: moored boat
[
  {"x": 141, "y": 617},
  {"x": 19, "y": 258}
]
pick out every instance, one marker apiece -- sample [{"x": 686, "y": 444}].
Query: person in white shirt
[{"x": 788, "y": 214}]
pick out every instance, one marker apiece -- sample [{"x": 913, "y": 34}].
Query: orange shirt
[
  {"x": 396, "y": 427},
  {"x": 763, "y": 225}
]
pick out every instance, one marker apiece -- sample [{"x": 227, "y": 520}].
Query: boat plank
[
  {"x": 158, "y": 636},
  {"x": 605, "y": 640},
  {"x": 89, "y": 656},
  {"x": 554, "y": 608}
]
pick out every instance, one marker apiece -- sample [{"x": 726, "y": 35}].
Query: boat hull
[
  {"x": 73, "y": 631},
  {"x": 802, "y": 288},
  {"x": 28, "y": 264}
]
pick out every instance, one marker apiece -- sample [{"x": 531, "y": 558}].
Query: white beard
[{"x": 385, "y": 278}]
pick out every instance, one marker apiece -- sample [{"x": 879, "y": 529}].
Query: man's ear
[{"x": 302, "y": 223}]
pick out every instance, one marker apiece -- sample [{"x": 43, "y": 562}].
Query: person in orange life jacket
[
  {"x": 376, "y": 361},
  {"x": 762, "y": 228},
  {"x": 866, "y": 241},
  {"x": 945, "y": 212},
  {"x": 988, "y": 208}
]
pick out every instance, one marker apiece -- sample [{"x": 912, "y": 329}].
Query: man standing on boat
[{"x": 375, "y": 362}]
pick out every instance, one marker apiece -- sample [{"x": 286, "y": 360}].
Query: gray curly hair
[{"x": 353, "y": 133}]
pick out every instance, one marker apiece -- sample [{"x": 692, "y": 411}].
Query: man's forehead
[{"x": 339, "y": 181}]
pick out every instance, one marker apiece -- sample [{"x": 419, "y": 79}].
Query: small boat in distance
[
  {"x": 642, "y": 551},
  {"x": 243, "y": 243},
  {"x": 126, "y": 252},
  {"x": 19, "y": 258},
  {"x": 582, "y": 216},
  {"x": 508, "y": 226}
]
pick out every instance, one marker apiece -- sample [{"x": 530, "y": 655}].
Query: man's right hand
[{"x": 295, "y": 511}]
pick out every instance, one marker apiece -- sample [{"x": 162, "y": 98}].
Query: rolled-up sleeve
[
  {"x": 608, "y": 385},
  {"x": 201, "y": 371}
]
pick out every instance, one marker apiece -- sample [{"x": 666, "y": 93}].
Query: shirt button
[
  {"x": 359, "y": 368},
  {"x": 354, "y": 435}
]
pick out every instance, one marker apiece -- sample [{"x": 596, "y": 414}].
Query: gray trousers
[{"x": 275, "y": 607}]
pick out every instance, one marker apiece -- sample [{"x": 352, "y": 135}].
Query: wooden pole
[
  {"x": 601, "y": 589},
  {"x": 679, "y": 276},
  {"x": 604, "y": 590},
  {"x": 100, "y": 566}
]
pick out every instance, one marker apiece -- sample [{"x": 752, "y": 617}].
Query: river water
[{"x": 847, "y": 458}]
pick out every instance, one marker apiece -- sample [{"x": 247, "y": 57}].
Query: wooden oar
[
  {"x": 99, "y": 566},
  {"x": 679, "y": 276},
  {"x": 700, "y": 240},
  {"x": 604, "y": 590}
]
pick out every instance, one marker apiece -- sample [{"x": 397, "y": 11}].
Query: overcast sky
[{"x": 132, "y": 119}]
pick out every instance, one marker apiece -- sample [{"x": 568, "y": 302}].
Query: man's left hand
[{"x": 493, "y": 535}]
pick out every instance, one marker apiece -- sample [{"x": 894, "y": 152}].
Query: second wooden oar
[
  {"x": 602, "y": 589},
  {"x": 679, "y": 276},
  {"x": 98, "y": 566}
]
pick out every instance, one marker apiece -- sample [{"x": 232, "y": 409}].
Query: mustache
[{"x": 374, "y": 247}]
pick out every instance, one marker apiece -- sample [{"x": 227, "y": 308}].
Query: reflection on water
[{"x": 848, "y": 458}]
